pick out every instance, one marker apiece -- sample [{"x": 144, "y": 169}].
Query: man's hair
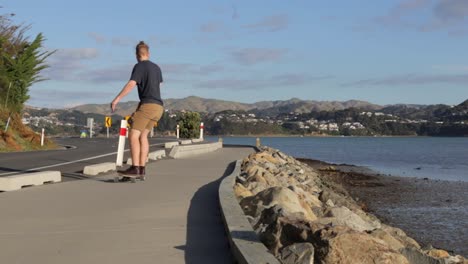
[{"x": 142, "y": 49}]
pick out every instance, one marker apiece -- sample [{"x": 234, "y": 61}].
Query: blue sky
[{"x": 385, "y": 52}]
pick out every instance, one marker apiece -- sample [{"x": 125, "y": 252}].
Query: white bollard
[
  {"x": 121, "y": 147},
  {"x": 178, "y": 129},
  {"x": 42, "y": 138},
  {"x": 201, "y": 130}
]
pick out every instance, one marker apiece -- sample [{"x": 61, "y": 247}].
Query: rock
[
  {"x": 342, "y": 200},
  {"x": 310, "y": 199},
  {"x": 342, "y": 216},
  {"x": 401, "y": 236},
  {"x": 337, "y": 199},
  {"x": 276, "y": 230},
  {"x": 416, "y": 256},
  {"x": 286, "y": 199},
  {"x": 271, "y": 167},
  {"x": 299, "y": 253},
  {"x": 392, "y": 242},
  {"x": 438, "y": 253},
  {"x": 330, "y": 203},
  {"x": 457, "y": 260},
  {"x": 257, "y": 187},
  {"x": 343, "y": 245},
  {"x": 264, "y": 157},
  {"x": 241, "y": 192}
]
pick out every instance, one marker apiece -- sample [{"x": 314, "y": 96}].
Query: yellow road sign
[
  {"x": 108, "y": 121},
  {"x": 127, "y": 118}
]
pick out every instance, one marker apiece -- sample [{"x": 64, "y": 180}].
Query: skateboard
[{"x": 133, "y": 179}]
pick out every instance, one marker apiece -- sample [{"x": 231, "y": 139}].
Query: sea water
[{"x": 440, "y": 158}]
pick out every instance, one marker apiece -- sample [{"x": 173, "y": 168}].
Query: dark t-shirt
[{"x": 148, "y": 76}]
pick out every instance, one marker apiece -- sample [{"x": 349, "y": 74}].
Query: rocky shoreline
[
  {"x": 303, "y": 216},
  {"x": 434, "y": 212}
]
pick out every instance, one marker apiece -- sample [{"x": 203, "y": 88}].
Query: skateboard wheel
[
  {"x": 116, "y": 179},
  {"x": 142, "y": 178},
  {"x": 133, "y": 180}
]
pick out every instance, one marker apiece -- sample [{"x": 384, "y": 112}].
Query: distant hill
[{"x": 193, "y": 103}]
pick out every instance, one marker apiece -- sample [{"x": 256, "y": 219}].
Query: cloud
[
  {"x": 251, "y": 56},
  {"x": 65, "y": 63},
  {"x": 427, "y": 16},
  {"x": 57, "y": 98},
  {"x": 97, "y": 37},
  {"x": 283, "y": 80},
  {"x": 413, "y": 79},
  {"x": 211, "y": 27},
  {"x": 270, "y": 23},
  {"x": 448, "y": 10},
  {"x": 119, "y": 73},
  {"x": 76, "y": 54},
  {"x": 396, "y": 15},
  {"x": 235, "y": 13},
  {"x": 193, "y": 69},
  {"x": 123, "y": 41}
]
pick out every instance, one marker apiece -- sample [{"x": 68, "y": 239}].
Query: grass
[{"x": 19, "y": 137}]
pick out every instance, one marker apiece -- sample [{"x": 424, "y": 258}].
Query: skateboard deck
[{"x": 132, "y": 178}]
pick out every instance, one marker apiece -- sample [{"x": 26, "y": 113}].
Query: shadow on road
[{"x": 206, "y": 239}]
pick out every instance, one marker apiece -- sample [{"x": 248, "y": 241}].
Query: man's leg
[
  {"x": 144, "y": 147},
  {"x": 135, "y": 146}
]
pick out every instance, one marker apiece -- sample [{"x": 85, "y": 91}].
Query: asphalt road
[{"x": 70, "y": 161}]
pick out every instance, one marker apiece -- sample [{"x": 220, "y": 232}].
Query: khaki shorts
[{"x": 146, "y": 116}]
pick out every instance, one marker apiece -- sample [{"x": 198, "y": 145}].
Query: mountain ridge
[{"x": 199, "y": 104}]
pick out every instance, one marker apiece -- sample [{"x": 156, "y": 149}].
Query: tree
[
  {"x": 189, "y": 125},
  {"x": 21, "y": 62}
]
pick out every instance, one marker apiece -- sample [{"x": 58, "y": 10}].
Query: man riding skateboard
[{"x": 148, "y": 77}]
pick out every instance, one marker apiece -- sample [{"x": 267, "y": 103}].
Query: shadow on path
[{"x": 206, "y": 238}]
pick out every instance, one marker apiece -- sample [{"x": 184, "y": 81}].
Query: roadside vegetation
[{"x": 22, "y": 59}]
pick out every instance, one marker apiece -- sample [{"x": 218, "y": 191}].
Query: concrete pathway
[{"x": 172, "y": 217}]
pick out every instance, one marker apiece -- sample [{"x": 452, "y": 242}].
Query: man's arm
[{"x": 127, "y": 88}]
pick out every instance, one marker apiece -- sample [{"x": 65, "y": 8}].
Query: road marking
[{"x": 71, "y": 162}]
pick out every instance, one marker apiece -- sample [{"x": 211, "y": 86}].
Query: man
[{"x": 148, "y": 77}]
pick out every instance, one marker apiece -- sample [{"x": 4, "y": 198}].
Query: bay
[{"x": 440, "y": 158}]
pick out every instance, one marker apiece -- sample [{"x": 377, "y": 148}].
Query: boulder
[
  {"x": 286, "y": 199},
  {"x": 309, "y": 198},
  {"x": 392, "y": 242},
  {"x": 416, "y": 256},
  {"x": 264, "y": 156},
  {"x": 342, "y": 216},
  {"x": 257, "y": 187},
  {"x": 401, "y": 236},
  {"x": 277, "y": 230},
  {"x": 299, "y": 253},
  {"x": 241, "y": 192},
  {"x": 344, "y": 245},
  {"x": 438, "y": 253}
]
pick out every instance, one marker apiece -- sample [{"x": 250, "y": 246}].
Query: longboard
[{"x": 132, "y": 178}]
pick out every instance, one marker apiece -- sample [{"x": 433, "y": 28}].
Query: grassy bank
[{"x": 19, "y": 137}]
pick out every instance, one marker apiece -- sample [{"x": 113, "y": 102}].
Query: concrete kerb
[
  {"x": 245, "y": 245},
  {"x": 16, "y": 182},
  {"x": 185, "y": 142},
  {"x": 155, "y": 155},
  {"x": 169, "y": 145},
  {"x": 192, "y": 150},
  {"x": 158, "y": 154},
  {"x": 95, "y": 169}
]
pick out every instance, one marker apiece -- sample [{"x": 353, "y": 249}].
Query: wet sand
[{"x": 434, "y": 212}]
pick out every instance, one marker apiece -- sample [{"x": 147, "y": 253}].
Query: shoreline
[
  {"x": 330, "y": 136},
  {"x": 431, "y": 211}
]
